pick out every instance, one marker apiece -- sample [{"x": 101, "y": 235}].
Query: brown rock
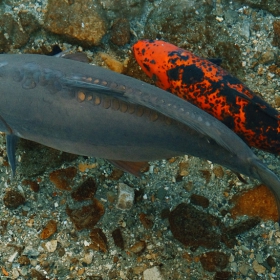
[
  {"x": 193, "y": 227},
  {"x": 146, "y": 221},
  {"x": 23, "y": 260},
  {"x": 138, "y": 247},
  {"x": 62, "y": 178},
  {"x": 118, "y": 238},
  {"x": 222, "y": 275},
  {"x": 257, "y": 202},
  {"x": 13, "y": 199},
  {"x": 112, "y": 63},
  {"x": 3, "y": 227},
  {"x": 37, "y": 275},
  {"x": 82, "y": 21},
  {"x": 271, "y": 261},
  {"x": 218, "y": 171},
  {"x": 18, "y": 31},
  {"x": 276, "y": 29},
  {"x": 99, "y": 240},
  {"x": 85, "y": 191},
  {"x": 49, "y": 229},
  {"x": 34, "y": 186},
  {"x": 87, "y": 216},
  {"x": 116, "y": 174},
  {"x": 229, "y": 234},
  {"x": 120, "y": 34},
  {"x": 199, "y": 200},
  {"x": 214, "y": 261}
]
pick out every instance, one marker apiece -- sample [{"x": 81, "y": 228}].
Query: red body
[{"x": 212, "y": 89}]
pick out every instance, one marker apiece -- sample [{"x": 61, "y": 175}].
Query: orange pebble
[{"x": 257, "y": 202}]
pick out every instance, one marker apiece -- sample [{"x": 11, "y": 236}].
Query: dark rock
[
  {"x": 80, "y": 21},
  {"x": 229, "y": 234},
  {"x": 199, "y": 200},
  {"x": 13, "y": 199},
  {"x": 87, "y": 216},
  {"x": 214, "y": 261},
  {"x": 85, "y": 191},
  {"x": 120, "y": 34},
  {"x": 193, "y": 227},
  {"x": 118, "y": 238}
]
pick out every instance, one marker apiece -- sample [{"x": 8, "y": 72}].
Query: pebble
[
  {"x": 258, "y": 267},
  {"x": 88, "y": 257},
  {"x": 30, "y": 252},
  {"x": 12, "y": 257},
  {"x": 267, "y": 57},
  {"x": 125, "y": 197},
  {"x": 152, "y": 274},
  {"x": 244, "y": 268},
  {"x": 51, "y": 246}
]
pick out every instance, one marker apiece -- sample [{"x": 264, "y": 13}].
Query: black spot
[
  {"x": 147, "y": 67},
  {"x": 143, "y": 51},
  {"x": 173, "y": 74},
  {"x": 192, "y": 74},
  {"x": 153, "y": 61},
  {"x": 179, "y": 54}
]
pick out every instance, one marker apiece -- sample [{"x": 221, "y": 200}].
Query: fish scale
[{"x": 211, "y": 88}]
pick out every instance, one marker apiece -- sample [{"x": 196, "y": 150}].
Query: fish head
[{"x": 157, "y": 58}]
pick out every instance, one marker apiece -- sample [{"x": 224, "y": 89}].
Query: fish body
[
  {"x": 87, "y": 110},
  {"x": 211, "y": 88}
]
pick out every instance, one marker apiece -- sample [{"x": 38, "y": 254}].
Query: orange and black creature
[{"x": 208, "y": 86}]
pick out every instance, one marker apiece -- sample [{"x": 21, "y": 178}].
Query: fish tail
[{"x": 268, "y": 178}]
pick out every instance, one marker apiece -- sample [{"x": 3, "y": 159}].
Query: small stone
[
  {"x": 146, "y": 220},
  {"x": 184, "y": 168},
  {"x": 13, "y": 199},
  {"x": 267, "y": 57},
  {"x": 112, "y": 63},
  {"x": 218, "y": 171},
  {"x": 152, "y": 274},
  {"x": 51, "y": 246},
  {"x": 271, "y": 261},
  {"x": 62, "y": 178},
  {"x": 214, "y": 261},
  {"x": 23, "y": 260},
  {"x": 120, "y": 34},
  {"x": 30, "y": 252},
  {"x": 244, "y": 268},
  {"x": 37, "y": 275},
  {"x": 99, "y": 240},
  {"x": 88, "y": 257},
  {"x": 199, "y": 200},
  {"x": 49, "y": 229},
  {"x": 12, "y": 257},
  {"x": 87, "y": 216},
  {"x": 125, "y": 197},
  {"x": 118, "y": 238},
  {"x": 85, "y": 191},
  {"x": 138, "y": 247},
  {"x": 258, "y": 267}
]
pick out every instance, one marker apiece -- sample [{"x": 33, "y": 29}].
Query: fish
[
  {"x": 87, "y": 110},
  {"x": 211, "y": 88}
]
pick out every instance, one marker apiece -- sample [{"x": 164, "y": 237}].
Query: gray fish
[{"x": 87, "y": 110}]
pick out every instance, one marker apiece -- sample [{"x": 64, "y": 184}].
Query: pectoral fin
[
  {"x": 11, "y": 141},
  {"x": 135, "y": 168}
]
